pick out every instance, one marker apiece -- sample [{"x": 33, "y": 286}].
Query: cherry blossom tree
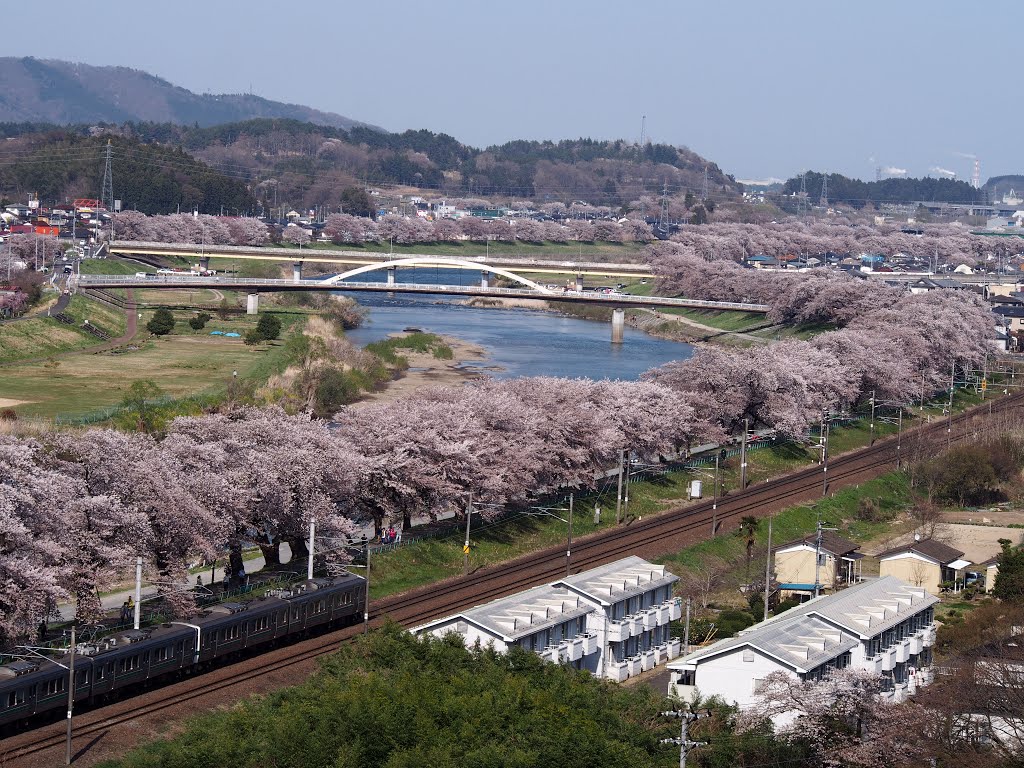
[
  {"x": 296, "y": 235},
  {"x": 247, "y": 231}
]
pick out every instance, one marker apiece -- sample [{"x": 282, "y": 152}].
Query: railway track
[{"x": 657, "y": 535}]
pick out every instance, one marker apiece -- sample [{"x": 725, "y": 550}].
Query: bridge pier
[
  {"x": 296, "y": 271},
  {"x": 252, "y": 304},
  {"x": 391, "y": 275},
  {"x": 579, "y": 283},
  {"x": 484, "y": 278},
  {"x": 204, "y": 263},
  {"x": 618, "y": 325}
]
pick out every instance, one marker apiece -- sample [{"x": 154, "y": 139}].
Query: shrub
[
  {"x": 268, "y": 327},
  {"x": 198, "y": 322},
  {"x": 161, "y": 323}
]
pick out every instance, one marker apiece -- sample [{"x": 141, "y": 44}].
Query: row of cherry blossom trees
[
  {"x": 76, "y": 508},
  {"x": 950, "y": 243},
  {"x": 897, "y": 347}
]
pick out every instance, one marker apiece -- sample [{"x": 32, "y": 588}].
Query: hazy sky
[{"x": 761, "y": 88}]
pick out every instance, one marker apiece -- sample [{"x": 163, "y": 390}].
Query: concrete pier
[
  {"x": 204, "y": 263},
  {"x": 252, "y": 304},
  {"x": 296, "y": 271},
  {"x": 485, "y": 277},
  {"x": 391, "y": 275},
  {"x": 579, "y": 283},
  {"x": 618, "y": 325}
]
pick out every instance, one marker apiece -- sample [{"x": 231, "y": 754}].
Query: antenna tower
[
  {"x": 107, "y": 195},
  {"x": 823, "y": 200},
  {"x": 704, "y": 187},
  {"x": 976, "y": 176},
  {"x": 643, "y": 129}
]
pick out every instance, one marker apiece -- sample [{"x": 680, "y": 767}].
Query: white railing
[{"x": 131, "y": 281}]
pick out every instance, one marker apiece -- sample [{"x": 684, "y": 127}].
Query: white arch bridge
[{"x": 525, "y": 288}]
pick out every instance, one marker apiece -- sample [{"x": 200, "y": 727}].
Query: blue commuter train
[{"x": 116, "y": 664}]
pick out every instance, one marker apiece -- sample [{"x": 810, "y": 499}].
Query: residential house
[
  {"x": 990, "y": 571},
  {"x": 926, "y": 284},
  {"x": 1012, "y": 315},
  {"x": 835, "y": 563},
  {"x": 884, "y": 626},
  {"x": 612, "y": 621},
  {"x": 927, "y": 564}
]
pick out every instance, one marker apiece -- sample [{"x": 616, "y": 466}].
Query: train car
[{"x": 123, "y": 661}]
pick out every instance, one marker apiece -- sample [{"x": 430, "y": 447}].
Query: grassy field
[
  {"x": 113, "y": 266},
  {"x": 183, "y": 363},
  {"x": 38, "y": 338}
]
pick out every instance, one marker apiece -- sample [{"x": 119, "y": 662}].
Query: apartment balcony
[
  {"x": 636, "y": 665},
  {"x": 550, "y": 654},
  {"x": 901, "y": 692},
  {"x": 928, "y": 635},
  {"x": 903, "y": 651},
  {"x": 617, "y": 670},
  {"x": 888, "y": 660},
  {"x": 676, "y": 608},
  {"x": 589, "y": 640},
  {"x": 618, "y": 631},
  {"x": 650, "y": 617},
  {"x": 664, "y": 614},
  {"x": 649, "y": 660},
  {"x": 873, "y": 664},
  {"x": 571, "y": 650},
  {"x": 916, "y": 644},
  {"x": 675, "y": 646}
]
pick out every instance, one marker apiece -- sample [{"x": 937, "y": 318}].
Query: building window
[{"x": 748, "y": 655}]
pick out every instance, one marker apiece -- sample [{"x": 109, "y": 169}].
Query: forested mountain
[
  {"x": 304, "y": 165},
  {"x": 998, "y": 186},
  {"x": 61, "y": 165},
  {"x": 63, "y": 92},
  {"x": 857, "y": 193}
]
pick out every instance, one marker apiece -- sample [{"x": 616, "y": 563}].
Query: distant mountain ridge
[{"x": 62, "y": 92}]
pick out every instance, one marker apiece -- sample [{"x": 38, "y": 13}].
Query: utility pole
[
  {"x": 824, "y": 453},
  {"x": 312, "y": 534},
  {"x": 872, "y": 418},
  {"x": 768, "y": 568},
  {"x": 107, "y": 195},
  {"x": 683, "y": 742},
  {"x": 704, "y": 186},
  {"x": 686, "y": 629},
  {"x": 714, "y": 503},
  {"x": 625, "y": 488},
  {"x": 366, "y": 601},
  {"x": 465, "y": 547},
  {"x": 743, "y": 456},
  {"x": 71, "y": 694},
  {"x": 568, "y": 543},
  {"x": 899, "y": 436},
  {"x": 618, "y": 497},
  {"x": 138, "y": 592},
  {"x": 817, "y": 554},
  {"x": 949, "y": 410}
]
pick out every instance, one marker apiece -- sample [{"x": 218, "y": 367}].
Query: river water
[{"x": 518, "y": 342}]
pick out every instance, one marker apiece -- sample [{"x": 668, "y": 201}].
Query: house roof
[
  {"x": 616, "y": 581},
  {"x": 814, "y": 632},
  {"x": 933, "y": 550},
  {"x": 830, "y": 542}
]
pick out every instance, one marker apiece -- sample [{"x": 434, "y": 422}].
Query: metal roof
[
  {"x": 614, "y": 582},
  {"x": 810, "y": 634}
]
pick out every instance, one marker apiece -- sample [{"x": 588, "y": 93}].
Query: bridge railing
[{"x": 254, "y": 284}]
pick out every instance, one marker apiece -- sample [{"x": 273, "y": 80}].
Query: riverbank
[{"x": 427, "y": 370}]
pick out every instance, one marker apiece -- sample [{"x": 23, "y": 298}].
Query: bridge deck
[
  {"x": 252, "y": 285},
  {"x": 325, "y": 256}
]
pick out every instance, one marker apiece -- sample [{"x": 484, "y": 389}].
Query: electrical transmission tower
[
  {"x": 801, "y": 203},
  {"x": 823, "y": 200},
  {"x": 704, "y": 186},
  {"x": 663, "y": 213},
  {"x": 107, "y": 195}
]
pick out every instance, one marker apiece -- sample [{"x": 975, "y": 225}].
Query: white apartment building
[
  {"x": 884, "y": 626},
  {"x": 612, "y": 621}
]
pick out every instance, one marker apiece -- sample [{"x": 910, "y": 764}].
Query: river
[{"x": 518, "y": 342}]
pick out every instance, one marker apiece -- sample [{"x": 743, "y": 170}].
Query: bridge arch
[{"x": 438, "y": 261}]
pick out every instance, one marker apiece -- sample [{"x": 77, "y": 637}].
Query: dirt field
[
  {"x": 977, "y": 542},
  {"x": 6, "y": 402}
]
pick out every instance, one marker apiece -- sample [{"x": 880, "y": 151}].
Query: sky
[{"x": 763, "y": 89}]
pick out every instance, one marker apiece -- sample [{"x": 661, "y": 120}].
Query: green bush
[
  {"x": 732, "y": 621},
  {"x": 198, "y": 322},
  {"x": 161, "y": 323},
  {"x": 268, "y": 327}
]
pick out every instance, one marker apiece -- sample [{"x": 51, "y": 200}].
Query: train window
[
  {"x": 229, "y": 633},
  {"x": 319, "y": 606},
  {"x": 82, "y": 678},
  {"x": 346, "y": 599},
  {"x": 57, "y": 685},
  {"x": 296, "y": 613},
  {"x": 16, "y": 698},
  {"x": 284, "y": 618},
  {"x": 100, "y": 672},
  {"x": 180, "y": 650},
  {"x": 128, "y": 664},
  {"x": 261, "y": 624},
  {"x": 162, "y": 654}
]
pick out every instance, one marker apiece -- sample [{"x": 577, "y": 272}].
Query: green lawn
[
  {"x": 182, "y": 364},
  {"x": 112, "y": 266}
]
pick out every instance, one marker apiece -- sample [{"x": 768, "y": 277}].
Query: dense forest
[
  {"x": 857, "y": 193},
  {"x": 60, "y": 165},
  {"x": 302, "y": 164}
]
